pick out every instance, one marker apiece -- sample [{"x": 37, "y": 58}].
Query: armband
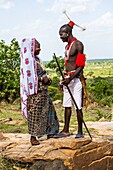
[{"x": 80, "y": 60}]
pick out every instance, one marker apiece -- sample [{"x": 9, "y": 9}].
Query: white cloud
[
  {"x": 98, "y": 37},
  {"x": 6, "y": 4},
  {"x": 104, "y": 22},
  {"x": 73, "y": 6}
]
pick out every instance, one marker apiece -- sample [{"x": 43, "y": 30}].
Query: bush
[
  {"x": 55, "y": 81},
  {"x": 106, "y": 101},
  {"x": 101, "y": 114},
  {"x": 101, "y": 90},
  {"x": 54, "y": 93}
]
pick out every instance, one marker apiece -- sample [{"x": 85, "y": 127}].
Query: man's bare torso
[{"x": 72, "y": 57}]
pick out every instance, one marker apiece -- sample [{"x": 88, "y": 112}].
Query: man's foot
[
  {"x": 78, "y": 135},
  {"x": 62, "y": 135},
  {"x": 34, "y": 141}
]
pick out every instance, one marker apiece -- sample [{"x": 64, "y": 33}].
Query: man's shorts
[{"x": 75, "y": 87}]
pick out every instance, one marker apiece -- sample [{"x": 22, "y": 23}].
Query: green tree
[
  {"x": 9, "y": 70},
  {"x": 54, "y": 91},
  {"x": 53, "y": 65}
]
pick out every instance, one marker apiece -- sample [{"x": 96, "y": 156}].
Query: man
[{"x": 74, "y": 64}]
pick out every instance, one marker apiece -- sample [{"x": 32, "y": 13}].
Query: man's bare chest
[{"x": 70, "y": 65}]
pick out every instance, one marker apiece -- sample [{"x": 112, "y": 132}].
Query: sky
[{"x": 42, "y": 19}]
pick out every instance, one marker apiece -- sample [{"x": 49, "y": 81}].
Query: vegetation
[
  {"x": 6, "y": 164},
  {"x": 9, "y": 71},
  {"x": 99, "y": 78},
  {"x": 53, "y": 65},
  {"x": 101, "y": 90}
]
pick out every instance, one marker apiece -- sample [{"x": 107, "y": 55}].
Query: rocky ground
[
  {"x": 102, "y": 128},
  {"x": 65, "y": 153}
]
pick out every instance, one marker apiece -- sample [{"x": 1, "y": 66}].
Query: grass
[
  {"x": 6, "y": 164},
  {"x": 12, "y": 111},
  {"x": 99, "y": 68}
]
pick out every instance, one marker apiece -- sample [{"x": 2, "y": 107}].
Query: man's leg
[
  {"x": 67, "y": 116},
  {"x": 80, "y": 123},
  {"x": 65, "y": 131}
]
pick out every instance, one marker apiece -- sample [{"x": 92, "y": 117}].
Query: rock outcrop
[{"x": 59, "y": 154}]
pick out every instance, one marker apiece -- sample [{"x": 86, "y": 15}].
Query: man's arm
[
  {"x": 80, "y": 47},
  {"x": 80, "y": 58}
]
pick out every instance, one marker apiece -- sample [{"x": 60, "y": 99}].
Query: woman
[{"x": 37, "y": 107}]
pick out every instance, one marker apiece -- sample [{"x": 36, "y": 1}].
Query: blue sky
[{"x": 43, "y": 18}]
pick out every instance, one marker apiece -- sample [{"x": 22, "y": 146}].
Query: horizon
[{"x": 87, "y": 59}]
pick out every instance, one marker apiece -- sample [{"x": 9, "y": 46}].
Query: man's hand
[{"x": 66, "y": 81}]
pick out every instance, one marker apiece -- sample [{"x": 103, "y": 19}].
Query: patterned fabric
[
  {"x": 28, "y": 72},
  {"x": 52, "y": 123},
  {"x": 37, "y": 106},
  {"x": 42, "y": 117}
]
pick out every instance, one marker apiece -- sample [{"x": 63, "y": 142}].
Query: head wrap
[
  {"x": 28, "y": 72},
  {"x": 71, "y": 23}
]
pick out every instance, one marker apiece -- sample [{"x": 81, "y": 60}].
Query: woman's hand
[
  {"x": 46, "y": 80},
  {"x": 49, "y": 81}
]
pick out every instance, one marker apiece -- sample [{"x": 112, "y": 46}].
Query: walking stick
[{"x": 71, "y": 95}]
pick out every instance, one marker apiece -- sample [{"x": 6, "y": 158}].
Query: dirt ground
[{"x": 104, "y": 129}]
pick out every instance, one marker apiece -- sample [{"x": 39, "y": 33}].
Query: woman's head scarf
[{"x": 28, "y": 72}]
